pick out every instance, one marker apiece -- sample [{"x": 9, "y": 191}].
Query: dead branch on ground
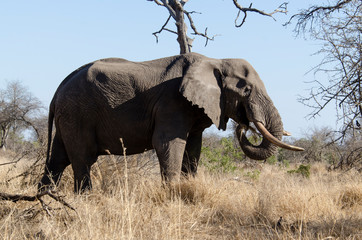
[{"x": 38, "y": 197}]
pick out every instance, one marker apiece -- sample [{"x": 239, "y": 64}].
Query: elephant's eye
[
  {"x": 241, "y": 84},
  {"x": 246, "y": 72}
]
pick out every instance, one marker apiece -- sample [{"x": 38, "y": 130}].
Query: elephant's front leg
[
  {"x": 170, "y": 154},
  {"x": 192, "y": 154},
  {"x": 173, "y": 121},
  {"x": 169, "y": 143}
]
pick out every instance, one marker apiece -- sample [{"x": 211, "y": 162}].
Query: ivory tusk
[
  {"x": 286, "y": 133},
  {"x": 273, "y": 139}
]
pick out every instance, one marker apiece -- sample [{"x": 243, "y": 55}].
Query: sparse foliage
[
  {"x": 303, "y": 170},
  {"x": 320, "y": 147},
  {"x": 222, "y": 157},
  {"x": 18, "y": 111},
  {"x": 338, "y": 27},
  {"x": 350, "y": 156}
]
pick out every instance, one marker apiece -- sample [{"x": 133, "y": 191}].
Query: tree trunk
[
  {"x": 3, "y": 138},
  {"x": 184, "y": 41}
]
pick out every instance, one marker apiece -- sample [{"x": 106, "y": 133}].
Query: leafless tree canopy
[
  {"x": 338, "y": 28},
  {"x": 178, "y": 14},
  {"x": 17, "y": 110}
]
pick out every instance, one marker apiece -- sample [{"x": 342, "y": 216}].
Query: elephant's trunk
[{"x": 272, "y": 132}]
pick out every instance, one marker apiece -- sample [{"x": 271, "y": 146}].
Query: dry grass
[{"x": 328, "y": 205}]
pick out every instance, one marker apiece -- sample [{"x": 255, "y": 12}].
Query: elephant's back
[
  {"x": 82, "y": 71},
  {"x": 118, "y": 80}
]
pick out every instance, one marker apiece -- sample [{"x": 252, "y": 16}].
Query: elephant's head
[{"x": 231, "y": 88}]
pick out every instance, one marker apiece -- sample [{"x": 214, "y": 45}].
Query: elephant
[{"x": 116, "y": 106}]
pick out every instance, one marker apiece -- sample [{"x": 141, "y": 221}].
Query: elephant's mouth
[{"x": 242, "y": 118}]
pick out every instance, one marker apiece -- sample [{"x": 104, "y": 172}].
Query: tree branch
[
  {"x": 169, "y": 8},
  {"x": 163, "y": 28},
  {"x": 281, "y": 9},
  {"x": 157, "y": 2},
  {"x": 338, "y": 28},
  {"x": 308, "y": 15},
  {"x": 177, "y": 12},
  {"x": 192, "y": 24}
]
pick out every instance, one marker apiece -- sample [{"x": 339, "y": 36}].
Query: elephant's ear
[{"x": 202, "y": 86}]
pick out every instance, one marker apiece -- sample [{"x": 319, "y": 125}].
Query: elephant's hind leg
[
  {"x": 55, "y": 165},
  {"x": 82, "y": 179},
  {"x": 82, "y": 152},
  {"x": 77, "y": 131},
  {"x": 192, "y": 154}
]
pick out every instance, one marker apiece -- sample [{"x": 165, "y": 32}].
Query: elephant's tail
[{"x": 50, "y": 128}]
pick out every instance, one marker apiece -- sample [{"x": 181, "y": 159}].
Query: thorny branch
[{"x": 281, "y": 9}]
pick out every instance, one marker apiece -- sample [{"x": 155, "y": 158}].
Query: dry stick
[
  {"x": 20, "y": 197},
  {"x": 127, "y": 190},
  {"x": 17, "y": 160},
  {"x": 7, "y": 163},
  {"x": 26, "y": 172},
  {"x": 29, "y": 169}
]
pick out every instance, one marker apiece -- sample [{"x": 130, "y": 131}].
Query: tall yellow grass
[{"x": 274, "y": 205}]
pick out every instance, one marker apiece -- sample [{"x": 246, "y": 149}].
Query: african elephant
[{"x": 164, "y": 104}]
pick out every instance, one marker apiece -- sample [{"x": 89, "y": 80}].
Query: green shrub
[
  {"x": 303, "y": 170},
  {"x": 222, "y": 158},
  {"x": 272, "y": 160},
  {"x": 255, "y": 174},
  {"x": 286, "y": 163}
]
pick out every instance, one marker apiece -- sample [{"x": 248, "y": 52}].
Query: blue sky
[{"x": 41, "y": 42}]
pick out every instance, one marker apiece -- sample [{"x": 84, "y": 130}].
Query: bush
[
  {"x": 323, "y": 145},
  {"x": 254, "y": 174},
  {"x": 303, "y": 170},
  {"x": 223, "y": 157}
]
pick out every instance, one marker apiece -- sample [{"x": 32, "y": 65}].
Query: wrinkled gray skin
[{"x": 164, "y": 104}]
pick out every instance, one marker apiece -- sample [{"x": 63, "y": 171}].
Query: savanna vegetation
[{"x": 312, "y": 195}]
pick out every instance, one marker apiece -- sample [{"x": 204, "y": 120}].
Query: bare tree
[
  {"x": 338, "y": 27},
  {"x": 18, "y": 108},
  {"x": 178, "y": 14}
]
